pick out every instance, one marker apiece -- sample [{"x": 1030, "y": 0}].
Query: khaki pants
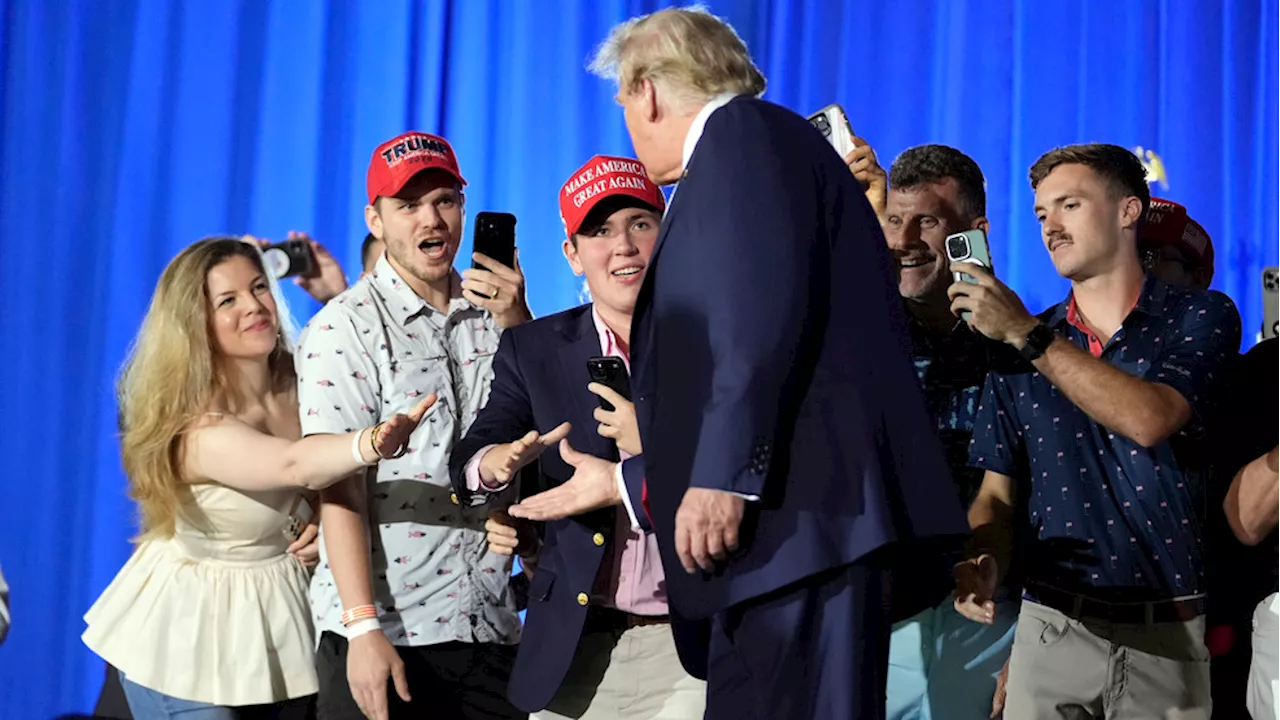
[
  {"x": 1263, "y": 682},
  {"x": 1078, "y": 669},
  {"x": 635, "y": 675}
]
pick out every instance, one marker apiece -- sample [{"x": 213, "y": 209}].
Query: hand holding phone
[
  {"x": 495, "y": 236},
  {"x": 616, "y": 423},
  {"x": 612, "y": 373},
  {"x": 969, "y": 246},
  {"x": 834, "y": 125},
  {"x": 291, "y": 258}
]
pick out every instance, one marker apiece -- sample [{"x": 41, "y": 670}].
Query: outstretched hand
[
  {"x": 391, "y": 437},
  {"x": 591, "y": 487}
]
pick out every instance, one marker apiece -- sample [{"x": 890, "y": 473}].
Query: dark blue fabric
[
  {"x": 951, "y": 368},
  {"x": 130, "y": 128},
  {"x": 540, "y": 380},
  {"x": 1108, "y": 514},
  {"x": 758, "y": 369},
  {"x": 768, "y": 658}
]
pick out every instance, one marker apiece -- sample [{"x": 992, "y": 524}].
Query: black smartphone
[
  {"x": 289, "y": 259},
  {"x": 612, "y": 373},
  {"x": 495, "y": 236}
]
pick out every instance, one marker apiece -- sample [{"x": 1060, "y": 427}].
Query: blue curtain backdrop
[{"x": 133, "y": 127}]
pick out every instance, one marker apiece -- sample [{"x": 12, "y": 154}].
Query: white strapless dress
[{"x": 219, "y": 612}]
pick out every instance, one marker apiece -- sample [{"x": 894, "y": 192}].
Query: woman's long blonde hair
[{"x": 172, "y": 377}]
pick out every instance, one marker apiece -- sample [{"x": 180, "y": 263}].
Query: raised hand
[
  {"x": 976, "y": 581},
  {"x": 591, "y": 487},
  {"x": 500, "y": 465},
  {"x": 391, "y": 437},
  {"x": 327, "y": 281},
  {"x": 620, "y": 423},
  {"x": 503, "y": 286}
]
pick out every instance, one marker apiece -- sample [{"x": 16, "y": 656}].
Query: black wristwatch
[{"x": 1038, "y": 340}]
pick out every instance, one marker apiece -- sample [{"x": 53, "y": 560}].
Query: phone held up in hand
[
  {"x": 834, "y": 125},
  {"x": 291, "y": 258},
  {"x": 495, "y": 236},
  {"x": 612, "y": 373},
  {"x": 969, "y": 246}
]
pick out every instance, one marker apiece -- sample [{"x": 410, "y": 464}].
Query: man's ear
[
  {"x": 372, "y": 219},
  {"x": 1131, "y": 211},
  {"x": 650, "y": 108},
  {"x": 981, "y": 224},
  {"x": 571, "y": 254}
]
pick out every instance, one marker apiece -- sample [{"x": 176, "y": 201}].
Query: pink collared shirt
[{"x": 633, "y": 581}]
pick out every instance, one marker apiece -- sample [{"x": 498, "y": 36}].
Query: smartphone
[
  {"x": 495, "y": 236},
  {"x": 289, "y": 259},
  {"x": 834, "y": 125},
  {"x": 1271, "y": 303},
  {"x": 612, "y": 373},
  {"x": 969, "y": 246}
]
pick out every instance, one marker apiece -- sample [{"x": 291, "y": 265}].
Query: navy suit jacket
[
  {"x": 770, "y": 339},
  {"x": 539, "y": 381}
]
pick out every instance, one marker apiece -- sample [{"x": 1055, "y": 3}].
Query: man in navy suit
[
  {"x": 788, "y": 454},
  {"x": 597, "y": 640}
]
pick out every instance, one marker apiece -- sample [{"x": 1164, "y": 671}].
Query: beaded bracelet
[{"x": 360, "y": 612}]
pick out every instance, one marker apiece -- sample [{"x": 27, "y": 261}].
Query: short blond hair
[{"x": 688, "y": 51}]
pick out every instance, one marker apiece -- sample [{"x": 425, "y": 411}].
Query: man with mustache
[
  {"x": 598, "y": 640},
  {"x": 1101, "y": 420},
  {"x": 405, "y": 590}
]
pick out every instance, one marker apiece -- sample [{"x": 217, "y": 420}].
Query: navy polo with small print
[{"x": 1112, "y": 519}]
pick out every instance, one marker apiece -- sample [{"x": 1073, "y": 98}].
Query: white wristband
[
  {"x": 363, "y": 627},
  {"x": 355, "y": 450}
]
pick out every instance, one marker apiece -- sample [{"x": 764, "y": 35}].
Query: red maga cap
[
  {"x": 397, "y": 160},
  {"x": 605, "y": 176}
]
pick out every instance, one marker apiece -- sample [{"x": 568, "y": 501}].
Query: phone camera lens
[{"x": 958, "y": 248}]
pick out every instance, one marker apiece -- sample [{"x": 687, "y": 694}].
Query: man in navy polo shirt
[{"x": 1094, "y": 432}]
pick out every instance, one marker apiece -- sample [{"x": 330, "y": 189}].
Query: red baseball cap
[
  {"x": 397, "y": 160},
  {"x": 1167, "y": 223},
  {"x": 605, "y": 176}
]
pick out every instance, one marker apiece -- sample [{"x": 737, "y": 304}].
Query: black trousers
[{"x": 455, "y": 680}]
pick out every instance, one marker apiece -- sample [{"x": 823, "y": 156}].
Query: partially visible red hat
[
  {"x": 397, "y": 160},
  {"x": 605, "y": 176},
  {"x": 1167, "y": 223}
]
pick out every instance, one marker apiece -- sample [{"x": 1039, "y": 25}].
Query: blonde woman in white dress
[{"x": 209, "y": 618}]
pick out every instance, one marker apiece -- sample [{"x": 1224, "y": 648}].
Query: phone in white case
[
  {"x": 1270, "y": 302},
  {"x": 969, "y": 246},
  {"x": 834, "y": 125}
]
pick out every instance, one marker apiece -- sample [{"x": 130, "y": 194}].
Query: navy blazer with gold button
[{"x": 539, "y": 381}]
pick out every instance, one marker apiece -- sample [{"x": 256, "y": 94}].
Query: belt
[
  {"x": 1080, "y": 607},
  {"x": 605, "y": 618}
]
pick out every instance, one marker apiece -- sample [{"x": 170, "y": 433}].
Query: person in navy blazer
[
  {"x": 597, "y": 640},
  {"x": 789, "y": 458}
]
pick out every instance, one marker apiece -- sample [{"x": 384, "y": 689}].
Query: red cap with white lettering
[
  {"x": 605, "y": 176},
  {"x": 1168, "y": 223},
  {"x": 397, "y": 160}
]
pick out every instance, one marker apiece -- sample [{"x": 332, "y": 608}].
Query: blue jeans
[
  {"x": 147, "y": 704},
  {"x": 942, "y": 665}
]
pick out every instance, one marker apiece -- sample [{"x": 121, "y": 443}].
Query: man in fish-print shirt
[
  {"x": 1096, "y": 427},
  {"x": 405, "y": 589}
]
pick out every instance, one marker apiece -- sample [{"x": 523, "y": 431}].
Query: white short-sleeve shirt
[{"x": 372, "y": 352}]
